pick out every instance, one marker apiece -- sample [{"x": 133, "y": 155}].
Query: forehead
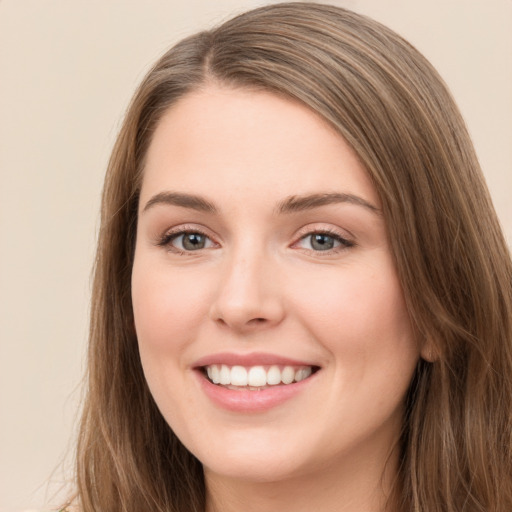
[{"x": 223, "y": 140}]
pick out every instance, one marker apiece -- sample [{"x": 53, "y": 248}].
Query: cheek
[
  {"x": 168, "y": 308},
  {"x": 360, "y": 318},
  {"x": 359, "y": 315}
]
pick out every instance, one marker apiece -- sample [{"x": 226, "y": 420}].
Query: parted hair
[{"x": 385, "y": 99}]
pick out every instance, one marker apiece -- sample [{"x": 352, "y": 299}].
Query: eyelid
[
  {"x": 318, "y": 227},
  {"x": 164, "y": 240},
  {"x": 337, "y": 233}
]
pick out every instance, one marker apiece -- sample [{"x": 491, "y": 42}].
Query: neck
[{"x": 359, "y": 487}]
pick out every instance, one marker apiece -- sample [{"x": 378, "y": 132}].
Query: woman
[{"x": 302, "y": 295}]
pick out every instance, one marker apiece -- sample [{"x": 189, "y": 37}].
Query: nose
[{"x": 248, "y": 297}]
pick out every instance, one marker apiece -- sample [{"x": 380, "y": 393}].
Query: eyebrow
[
  {"x": 179, "y": 199},
  {"x": 294, "y": 204},
  {"x": 291, "y": 204}
]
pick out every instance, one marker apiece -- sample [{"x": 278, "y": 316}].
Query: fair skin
[{"x": 261, "y": 245}]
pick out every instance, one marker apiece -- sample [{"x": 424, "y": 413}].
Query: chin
[
  {"x": 255, "y": 471},
  {"x": 256, "y": 457}
]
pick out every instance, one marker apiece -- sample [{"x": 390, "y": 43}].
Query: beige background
[{"x": 67, "y": 70}]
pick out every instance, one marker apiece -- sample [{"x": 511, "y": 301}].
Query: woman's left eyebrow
[{"x": 300, "y": 203}]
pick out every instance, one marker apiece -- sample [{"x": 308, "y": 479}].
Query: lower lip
[{"x": 252, "y": 401}]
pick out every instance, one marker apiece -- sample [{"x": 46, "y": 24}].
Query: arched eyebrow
[
  {"x": 179, "y": 199},
  {"x": 291, "y": 204},
  {"x": 294, "y": 204}
]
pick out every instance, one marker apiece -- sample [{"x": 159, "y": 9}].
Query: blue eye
[
  {"x": 323, "y": 242},
  {"x": 193, "y": 241},
  {"x": 187, "y": 241}
]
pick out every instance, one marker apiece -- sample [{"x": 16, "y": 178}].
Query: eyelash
[
  {"x": 168, "y": 237},
  {"x": 344, "y": 244}
]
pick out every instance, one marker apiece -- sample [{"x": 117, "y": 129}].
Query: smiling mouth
[{"x": 256, "y": 377}]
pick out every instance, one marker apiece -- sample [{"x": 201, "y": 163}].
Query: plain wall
[{"x": 67, "y": 71}]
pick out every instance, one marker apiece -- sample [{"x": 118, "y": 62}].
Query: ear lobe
[{"x": 429, "y": 352}]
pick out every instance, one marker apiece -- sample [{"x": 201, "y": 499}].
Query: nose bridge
[{"x": 247, "y": 294}]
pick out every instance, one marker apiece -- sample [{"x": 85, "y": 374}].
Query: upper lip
[{"x": 253, "y": 359}]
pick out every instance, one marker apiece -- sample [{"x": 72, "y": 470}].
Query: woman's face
[{"x": 271, "y": 323}]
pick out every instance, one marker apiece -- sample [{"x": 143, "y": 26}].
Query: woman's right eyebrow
[{"x": 191, "y": 201}]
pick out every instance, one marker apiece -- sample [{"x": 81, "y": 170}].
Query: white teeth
[
  {"x": 224, "y": 375},
  {"x": 302, "y": 374},
  {"x": 238, "y": 376},
  {"x": 256, "y": 376},
  {"x": 273, "y": 376},
  {"x": 287, "y": 375},
  {"x": 214, "y": 374}
]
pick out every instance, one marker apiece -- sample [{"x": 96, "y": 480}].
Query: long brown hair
[{"x": 391, "y": 106}]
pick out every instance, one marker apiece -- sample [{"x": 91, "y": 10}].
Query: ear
[{"x": 429, "y": 351}]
